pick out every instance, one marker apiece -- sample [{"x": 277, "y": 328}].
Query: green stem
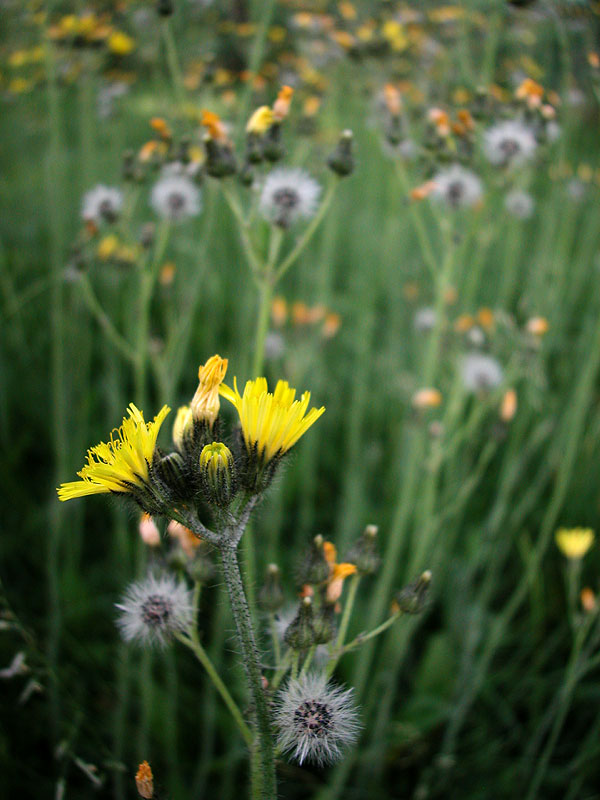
[
  {"x": 262, "y": 325},
  {"x": 173, "y": 62},
  {"x": 289, "y": 260},
  {"x": 95, "y": 308},
  {"x": 243, "y": 622},
  {"x": 193, "y": 643},
  {"x": 345, "y": 621}
]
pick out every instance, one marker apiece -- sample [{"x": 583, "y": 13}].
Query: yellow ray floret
[
  {"x": 121, "y": 464},
  {"x": 271, "y": 422},
  {"x": 574, "y": 542}
]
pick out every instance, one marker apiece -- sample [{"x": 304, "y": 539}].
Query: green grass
[{"x": 485, "y": 695}]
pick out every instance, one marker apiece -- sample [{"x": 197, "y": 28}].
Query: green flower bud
[
  {"x": 270, "y": 596},
  {"x": 341, "y": 161},
  {"x": 170, "y": 471},
  {"x": 364, "y": 552},
  {"x": 413, "y": 598},
  {"x": 216, "y": 469},
  {"x": 315, "y": 568},
  {"x": 300, "y": 633},
  {"x": 220, "y": 159}
]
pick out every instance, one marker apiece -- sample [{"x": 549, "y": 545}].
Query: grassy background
[{"x": 460, "y": 702}]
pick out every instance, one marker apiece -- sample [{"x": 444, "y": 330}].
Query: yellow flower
[
  {"x": 120, "y": 43},
  {"x": 205, "y": 403},
  {"x": 574, "y": 542},
  {"x": 121, "y": 465},
  {"x": 271, "y": 422},
  {"x": 183, "y": 426},
  {"x": 107, "y": 247},
  {"x": 260, "y": 121}
]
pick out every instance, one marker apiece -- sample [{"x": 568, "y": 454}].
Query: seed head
[{"x": 154, "y": 609}]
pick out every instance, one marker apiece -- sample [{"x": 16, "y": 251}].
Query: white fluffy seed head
[
  {"x": 509, "y": 143},
  {"x": 520, "y": 204},
  {"x": 102, "y": 204},
  {"x": 315, "y": 720},
  {"x": 175, "y": 197},
  {"x": 154, "y": 609},
  {"x": 457, "y": 187},
  {"x": 288, "y": 195},
  {"x": 481, "y": 372}
]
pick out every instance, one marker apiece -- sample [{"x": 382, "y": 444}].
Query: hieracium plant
[{"x": 208, "y": 490}]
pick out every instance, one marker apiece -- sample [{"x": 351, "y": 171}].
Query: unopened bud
[
  {"x": 412, "y": 599},
  {"x": 270, "y": 596},
  {"x": 364, "y": 552},
  {"x": 324, "y": 624},
  {"x": 171, "y": 472},
  {"x": 220, "y": 158},
  {"x": 273, "y": 148},
  {"x": 164, "y": 7},
  {"x": 216, "y": 469},
  {"x": 341, "y": 161},
  {"x": 183, "y": 428},
  {"x": 300, "y": 633},
  {"x": 315, "y": 568}
]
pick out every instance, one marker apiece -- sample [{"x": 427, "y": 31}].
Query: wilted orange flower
[
  {"x": 159, "y": 125},
  {"x": 144, "y": 781},
  {"x": 150, "y": 148},
  {"x": 508, "y": 409},
  {"x": 485, "y": 317},
  {"x": 393, "y": 99},
  {"x": 338, "y": 572},
  {"x": 538, "y": 326},
  {"x": 427, "y": 398},
  {"x": 186, "y": 538},
  {"x": 531, "y": 92},
  {"x": 300, "y": 313},
  {"x": 440, "y": 120},
  {"x": 279, "y": 311},
  {"x": 215, "y": 127},
  {"x": 205, "y": 403},
  {"x": 167, "y": 273},
  {"x": 593, "y": 60},
  {"x": 281, "y": 106},
  {"x": 464, "y": 323},
  {"x": 422, "y": 191},
  {"x": 149, "y": 533},
  {"x": 588, "y": 599},
  {"x": 331, "y": 325}
]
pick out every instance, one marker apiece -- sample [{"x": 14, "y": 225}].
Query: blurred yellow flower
[
  {"x": 120, "y": 43},
  {"x": 260, "y": 121},
  {"x": 122, "y": 464},
  {"x": 272, "y": 422},
  {"x": 427, "y": 398},
  {"x": 574, "y": 542}
]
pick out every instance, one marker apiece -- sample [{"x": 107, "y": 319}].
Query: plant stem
[
  {"x": 262, "y": 324},
  {"x": 243, "y": 622},
  {"x": 103, "y": 319},
  {"x": 339, "y": 644},
  {"x": 173, "y": 62}
]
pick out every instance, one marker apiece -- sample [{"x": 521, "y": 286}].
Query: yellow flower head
[
  {"x": 260, "y": 121},
  {"x": 574, "y": 542},
  {"x": 272, "y": 422},
  {"x": 122, "y": 464},
  {"x": 120, "y": 43},
  {"x": 205, "y": 403}
]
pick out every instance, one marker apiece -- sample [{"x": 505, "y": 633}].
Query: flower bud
[
  {"x": 164, "y": 8},
  {"x": 315, "y": 568},
  {"x": 412, "y": 599},
  {"x": 364, "y": 552},
  {"x": 216, "y": 469},
  {"x": 183, "y": 428},
  {"x": 300, "y": 633},
  {"x": 170, "y": 471},
  {"x": 324, "y": 624},
  {"x": 270, "y": 596},
  {"x": 341, "y": 161},
  {"x": 220, "y": 158},
  {"x": 205, "y": 403},
  {"x": 273, "y": 148}
]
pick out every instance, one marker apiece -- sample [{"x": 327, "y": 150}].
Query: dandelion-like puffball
[
  {"x": 457, "y": 186},
  {"x": 520, "y": 204},
  {"x": 315, "y": 720},
  {"x": 288, "y": 195},
  {"x": 102, "y": 203},
  {"x": 175, "y": 197},
  {"x": 154, "y": 609},
  {"x": 509, "y": 143},
  {"x": 481, "y": 372}
]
